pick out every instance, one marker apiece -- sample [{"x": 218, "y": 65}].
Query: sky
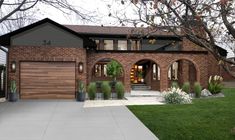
[{"x": 98, "y": 8}]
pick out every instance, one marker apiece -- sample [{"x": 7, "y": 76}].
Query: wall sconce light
[
  {"x": 80, "y": 67},
  {"x": 13, "y": 66}
]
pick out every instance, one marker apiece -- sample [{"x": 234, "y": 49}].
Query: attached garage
[{"x": 47, "y": 80}]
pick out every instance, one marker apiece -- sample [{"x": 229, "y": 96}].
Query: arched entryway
[
  {"x": 182, "y": 71},
  {"x": 145, "y": 75},
  {"x": 99, "y": 71}
]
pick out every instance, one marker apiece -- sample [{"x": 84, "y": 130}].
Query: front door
[{"x": 138, "y": 74}]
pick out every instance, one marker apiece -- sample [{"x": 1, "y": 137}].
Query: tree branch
[
  {"x": 229, "y": 26},
  {"x": 13, "y": 11}
]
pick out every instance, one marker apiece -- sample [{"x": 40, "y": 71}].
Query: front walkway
[
  {"x": 68, "y": 120},
  {"x": 133, "y": 98}
]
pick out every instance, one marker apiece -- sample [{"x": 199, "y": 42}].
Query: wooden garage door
[{"x": 47, "y": 80}]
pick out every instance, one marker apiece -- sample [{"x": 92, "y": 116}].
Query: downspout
[{"x": 6, "y": 71}]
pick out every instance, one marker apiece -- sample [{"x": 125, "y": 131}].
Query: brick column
[
  {"x": 163, "y": 79},
  {"x": 184, "y": 67},
  {"x": 127, "y": 80}
]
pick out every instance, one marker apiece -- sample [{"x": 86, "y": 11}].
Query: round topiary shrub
[
  {"x": 119, "y": 88},
  {"x": 106, "y": 90},
  {"x": 91, "y": 90}
]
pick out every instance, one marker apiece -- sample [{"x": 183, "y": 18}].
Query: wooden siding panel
[{"x": 47, "y": 80}]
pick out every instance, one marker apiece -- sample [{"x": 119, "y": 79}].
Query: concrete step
[
  {"x": 150, "y": 93},
  {"x": 140, "y": 87}
]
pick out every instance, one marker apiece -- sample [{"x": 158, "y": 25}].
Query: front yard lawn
[{"x": 205, "y": 119}]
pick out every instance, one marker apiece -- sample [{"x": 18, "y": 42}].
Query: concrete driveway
[{"x": 68, "y": 120}]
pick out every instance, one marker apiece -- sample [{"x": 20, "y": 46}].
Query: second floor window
[
  {"x": 108, "y": 44},
  {"x": 135, "y": 44},
  {"x": 97, "y": 42},
  {"x": 122, "y": 45}
]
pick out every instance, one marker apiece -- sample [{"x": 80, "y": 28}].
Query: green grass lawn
[{"x": 205, "y": 119}]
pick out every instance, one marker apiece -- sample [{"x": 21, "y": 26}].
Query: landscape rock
[
  {"x": 219, "y": 95},
  {"x": 205, "y": 93}
]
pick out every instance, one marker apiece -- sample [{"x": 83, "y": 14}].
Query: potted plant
[
  {"x": 140, "y": 76},
  {"x": 13, "y": 95},
  {"x": 80, "y": 96},
  {"x": 114, "y": 69}
]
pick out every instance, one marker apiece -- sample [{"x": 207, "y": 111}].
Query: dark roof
[
  {"x": 5, "y": 39},
  {"x": 113, "y": 30}
]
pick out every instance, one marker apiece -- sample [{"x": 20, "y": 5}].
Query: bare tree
[
  {"x": 9, "y": 9},
  {"x": 22, "y": 19},
  {"x": 206, "y": 23}
]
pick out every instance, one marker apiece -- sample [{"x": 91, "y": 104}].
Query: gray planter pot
[
  {"x": 80, "y": 96},
  {"x": 13, "y": 97},
  {"x": 114, "y": 95},
  {"x": 99, "y": 96}
]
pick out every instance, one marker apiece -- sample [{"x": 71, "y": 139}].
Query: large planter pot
[
  {"x": 13, "y": 97},
  {"x": 99, "y": 96},
  {"x": 114, "y": 95},
  {"x": 80, "y": 96}
]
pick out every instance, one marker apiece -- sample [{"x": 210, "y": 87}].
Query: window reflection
[
  {"x": 98, "y": 70},
  {"x": 135, "y": 44},
  {"x": 108, "y": 44},
  {"x": 156, "y": 72},
  {"x": 122, "y": 45},
  {"x": 97, "y": 42}
]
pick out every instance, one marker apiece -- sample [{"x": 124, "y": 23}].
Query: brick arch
[
  {"x": 197, "y": 67},
  {"x": 91, "y": 66},
  {"x": 133, "y": 62},
  {"x": 195, "y": 64},
  {"x": 97, "y": 60}
]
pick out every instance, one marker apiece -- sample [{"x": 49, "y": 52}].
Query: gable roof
[{"x": 5, "y": 39}]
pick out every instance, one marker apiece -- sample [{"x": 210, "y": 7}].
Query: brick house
[{"x": 49, "y": 58}]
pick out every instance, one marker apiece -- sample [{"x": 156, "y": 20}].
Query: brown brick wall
[
  {"x": 204, "y": 63},
  {"x": 216, "y": 69},
  {"x": 52, "y": 54}
]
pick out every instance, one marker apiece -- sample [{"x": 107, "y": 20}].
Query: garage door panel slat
[{"x": 47, "y": 80}]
